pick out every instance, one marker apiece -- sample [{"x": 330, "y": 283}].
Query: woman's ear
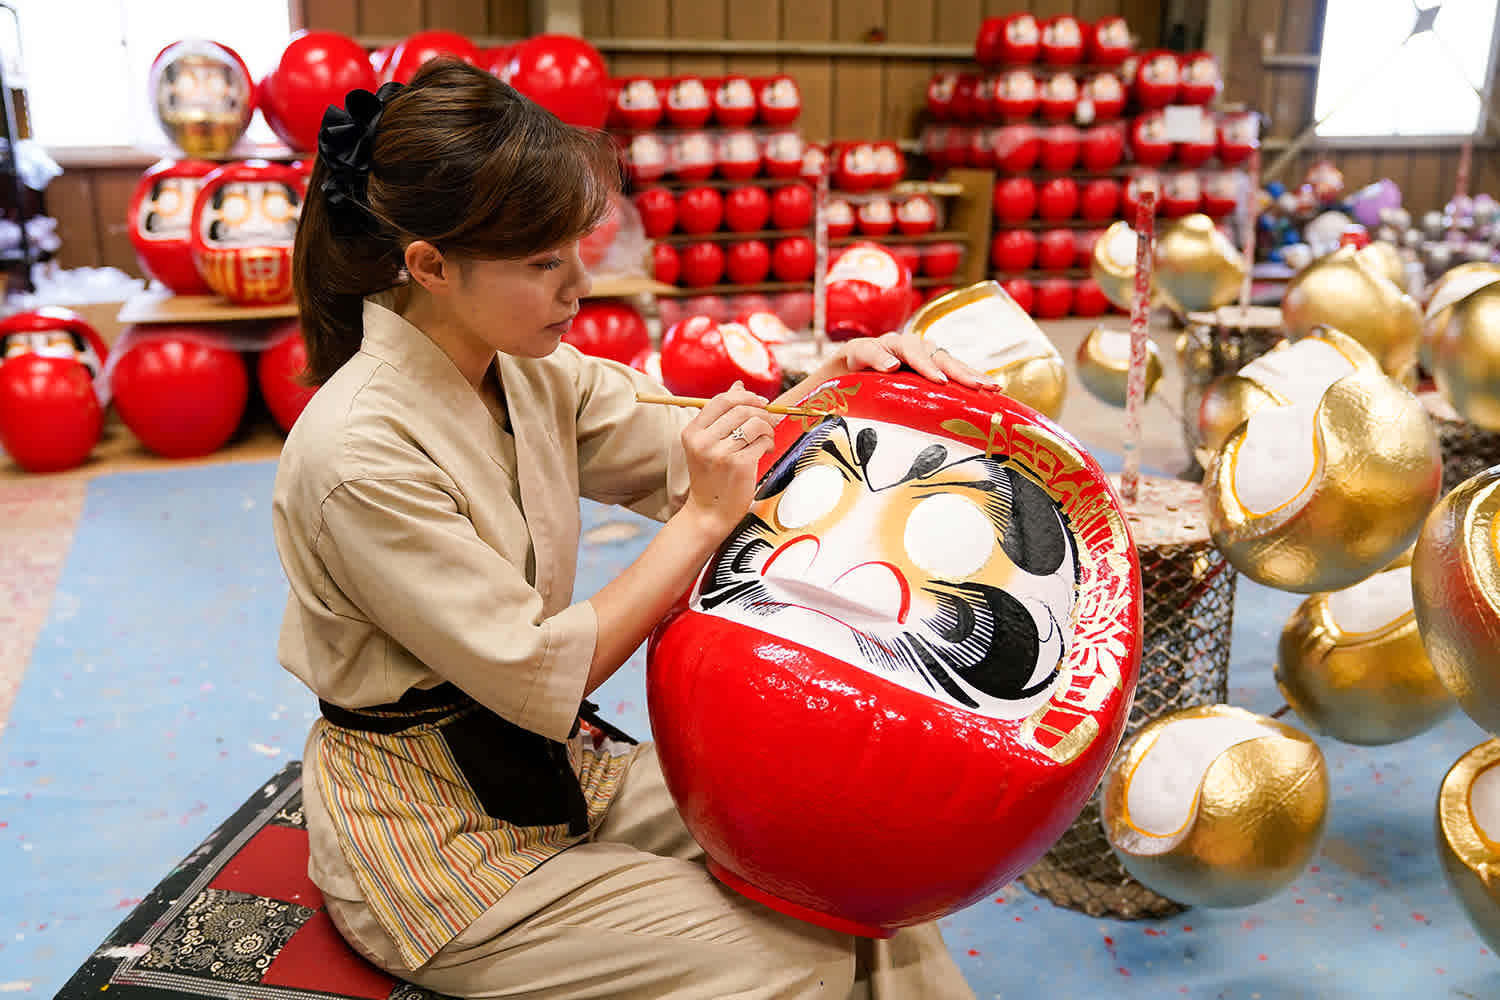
[{"x": 427, "y": 267}]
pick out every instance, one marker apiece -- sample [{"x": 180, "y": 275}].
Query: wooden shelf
[
  {"x": 718, "y": 182},
  {"x": 165, "y": 307},
  {"x": 725, "y": 236},
  {"x": 1070, "y": 223},
  {"x": 1036, "y": 274},
  {"x": 896, "y": 239},
  {"x": 625, "y": 287},
  {"x": 684, "y": 291}
]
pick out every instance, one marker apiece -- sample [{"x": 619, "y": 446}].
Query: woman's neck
[{"x": 471, "y": 356}]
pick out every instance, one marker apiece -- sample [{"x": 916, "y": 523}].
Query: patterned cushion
[{"x": 238, "y": 918}]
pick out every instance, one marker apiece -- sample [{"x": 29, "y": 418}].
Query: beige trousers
[{"x": 633, "y": 914}]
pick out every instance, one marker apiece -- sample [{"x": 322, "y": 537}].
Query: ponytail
[
  {"x": 331, "y": 275},
  {"x": 461, "y": 161}
]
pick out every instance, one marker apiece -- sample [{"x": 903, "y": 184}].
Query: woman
[{"x": 426, "y": 513}]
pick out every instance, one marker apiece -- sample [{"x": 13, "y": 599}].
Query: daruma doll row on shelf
[
  {"x": 1230, "y": 137},
  {"x": 734, "y": 154},
  {"x": 688, "y": 101},
  {"x": 203, "y": 228},
  {"x": 1018, "y": 93},
  {"x": 747, "y": 208},
  {"x": 1216, "y": 193}
]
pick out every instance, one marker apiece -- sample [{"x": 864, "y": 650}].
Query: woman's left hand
[{"x": 891, "y": 350}]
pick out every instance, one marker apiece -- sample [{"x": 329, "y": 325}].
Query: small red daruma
[
  {"x": 931, "y": 616},
  {"x": 702, "y": 357},
  {"x": 244, "y": 222}
]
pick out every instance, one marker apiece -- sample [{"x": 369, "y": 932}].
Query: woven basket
[{"x": 1188, "y": 614}]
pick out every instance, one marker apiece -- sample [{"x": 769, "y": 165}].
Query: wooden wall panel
[
  {"x": 389, "y": 17},
  {"x": 70, "y": 200},
  {"x": 332, "y": 15},
  {"x": 509, "y": 18},
  {"x": 467, "y": 17},
  {"x": 956, "y": 22},
  {"x": 112, "y": 190}
]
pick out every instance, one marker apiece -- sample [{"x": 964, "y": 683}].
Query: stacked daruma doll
[{"x": 901, "y": 677}]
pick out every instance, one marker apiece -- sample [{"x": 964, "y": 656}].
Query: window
[
  {"x": 1404, "y": 67},
  {"x": 86, "y": 62}
]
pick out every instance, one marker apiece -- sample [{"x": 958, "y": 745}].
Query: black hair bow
[{"x": 346, "y": 143}]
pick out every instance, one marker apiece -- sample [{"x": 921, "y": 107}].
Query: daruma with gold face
[
  {"x": 244, "y": 225},
  {"x": 900, "y": 678},
  {"x": 161, "y": 223}
]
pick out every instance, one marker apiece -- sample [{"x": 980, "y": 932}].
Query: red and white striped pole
[{"x": 1140, "y": 315}]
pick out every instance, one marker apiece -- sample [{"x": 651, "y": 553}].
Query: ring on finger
[{"x": 738, "y": 434}]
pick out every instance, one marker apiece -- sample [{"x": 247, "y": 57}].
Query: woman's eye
[{"x": 550, "y": 264}]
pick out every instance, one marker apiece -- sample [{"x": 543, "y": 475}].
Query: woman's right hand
[{"x": 724, "y": 445}]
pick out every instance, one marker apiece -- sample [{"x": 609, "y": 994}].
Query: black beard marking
[
  {"x": 730, "y": 578},
  {"x": 994, "y": 640}
]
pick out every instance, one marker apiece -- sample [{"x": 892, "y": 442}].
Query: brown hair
[{"x": 462, "y": 161}]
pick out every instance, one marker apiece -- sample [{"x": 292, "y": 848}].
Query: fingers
[
  {"x": 746, "y": 418},
  {"x": 963, "y": 373},
  {"x": 715, "y": 408}
]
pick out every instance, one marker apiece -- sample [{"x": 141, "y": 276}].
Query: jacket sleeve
[
  {"x": 405, "y": 553},
  {"x": 629, "y": 453}
]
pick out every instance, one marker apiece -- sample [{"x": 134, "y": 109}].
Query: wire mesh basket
[
  {"x": 1220, "y": 343},
  {"x": 1188, "y": 614},
  {"x": 1467, "y": 448}
]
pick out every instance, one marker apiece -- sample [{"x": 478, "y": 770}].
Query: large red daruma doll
[
  {"x": 244, "y": 224},
  {"x": 160, "y": 220},
  {"x": 926, "y": 634}
]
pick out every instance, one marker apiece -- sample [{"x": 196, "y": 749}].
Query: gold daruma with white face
[
  {"x": 1352, "y": 666},
  {"x": 982, "y": 326},
  {"x": 1468, "y": 836},
  {"x": 1197, "y": 267},
  {"x": 1349, "y": 292},
  {"x": 1103, "y": 362},
  {"x": 1112, "y": 265},
  {"x": 1456, "y": 595},
  {"x": 1285, "y": 374},
  {"x": 1320, "y": 493},
  {"x": 1216, "y": 806}
]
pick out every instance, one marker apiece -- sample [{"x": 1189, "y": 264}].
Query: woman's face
[{"x": 524, "y": 306}]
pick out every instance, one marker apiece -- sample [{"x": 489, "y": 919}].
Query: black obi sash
[{"x": 519, "y": 776}]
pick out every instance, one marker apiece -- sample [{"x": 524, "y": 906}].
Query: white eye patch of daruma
[
  {"x": 812, "y": 494},
  {"x": 1275, "y": 462},
  {"x": 1372, "y": 604},
  {"x": 1300, "y": 373},
  {"x": 1119, "y": 248},
  {"x": 746, "y": 350},
  {"x": 1484, "y": 802},
  {"x": 989, "y": 334},
  {"x": 875, "y": 266},
  {"x": 1164, "y": 787},
  {"x": 949, "y": 536}
]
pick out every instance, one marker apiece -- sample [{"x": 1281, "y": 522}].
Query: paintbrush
[{"x": 792, "y": 411}]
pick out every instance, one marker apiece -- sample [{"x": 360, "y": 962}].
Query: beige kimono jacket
[{"x": 424, "y": 543}]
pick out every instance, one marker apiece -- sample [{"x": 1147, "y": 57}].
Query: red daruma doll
[
  {"x": 869, "y": 293},
  {"x": 930, "y": 621}
]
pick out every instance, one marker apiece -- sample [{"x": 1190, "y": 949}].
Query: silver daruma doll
[{"x": 899, "y": 679}]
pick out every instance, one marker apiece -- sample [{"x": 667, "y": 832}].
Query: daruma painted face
[
  {"x": 899, "y": 679},
  {"x": 244, "y": 223},
  {"x": 914, "y": 558}
]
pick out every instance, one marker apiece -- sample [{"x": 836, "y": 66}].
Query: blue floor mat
[{"x": 153, "y": 706}]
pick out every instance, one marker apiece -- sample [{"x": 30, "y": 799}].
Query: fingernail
[
  {"x": 890, "y": 363},
  {"x": 989, "y": 381}
]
